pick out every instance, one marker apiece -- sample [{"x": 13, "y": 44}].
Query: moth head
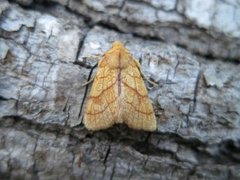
[{"x": 117, "y": 44}]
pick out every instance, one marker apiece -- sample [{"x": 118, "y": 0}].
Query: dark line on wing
[
  {"x": 147, "y": 113},
  {"x": 134, "y": 90},
  {"x": 109, "y": 107},
  {"x": 103, "y": 109},
  {"x": 103, "y": 90},
  {"x": 119, "y": 73},
  {"x": 135, "y": 77},
  {"x": 103, "y": 77}
]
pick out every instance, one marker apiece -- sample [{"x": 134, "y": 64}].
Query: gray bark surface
[{"x": 189, "y": 48}]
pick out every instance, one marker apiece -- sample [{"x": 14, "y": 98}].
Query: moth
[{"x": 118, "y": 93}]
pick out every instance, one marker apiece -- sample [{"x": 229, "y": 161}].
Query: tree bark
[{"x": 190, "y": 49}]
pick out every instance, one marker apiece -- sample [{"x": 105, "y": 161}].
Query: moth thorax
[{"x": 119, "y": 59}]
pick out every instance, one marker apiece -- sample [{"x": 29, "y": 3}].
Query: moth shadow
[{"x": 121, "y": 134}]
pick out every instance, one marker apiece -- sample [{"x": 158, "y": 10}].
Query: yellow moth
[{"x": 118, "y": 93}]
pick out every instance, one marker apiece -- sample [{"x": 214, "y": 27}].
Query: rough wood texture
[{"x": 46, "y": 55}]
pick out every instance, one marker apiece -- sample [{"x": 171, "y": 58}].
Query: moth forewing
[{"x": 118, "y": 93}]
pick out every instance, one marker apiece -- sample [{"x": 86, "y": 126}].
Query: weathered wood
[{"x": 45, "y": 55}]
